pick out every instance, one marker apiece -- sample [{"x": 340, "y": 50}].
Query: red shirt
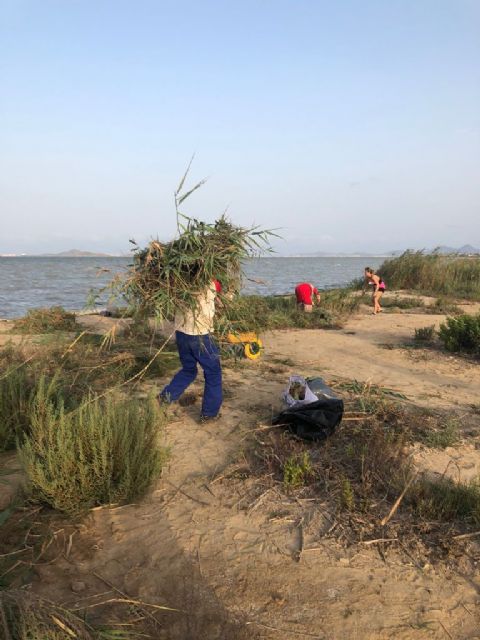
[
  {"x": 304, "y": 292},
  {"x": 218, "y": 286}
]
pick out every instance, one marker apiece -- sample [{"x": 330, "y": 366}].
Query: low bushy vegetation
[
  {"x": 261, "y": 313},
  {"x": 446, "y": 500},
  {"x": 72, "y": 371},
  {"x": 424, "y": 335},
  {"x": 15, "y": 391},
  {"x": 104, "y": 451},
  {"x": 366, "y": 465},
  {"x": 435, "y": 274},
  {"x": 25, "y": 616},
  {"x": 443, "y": 306},
  {"x": 461, "y": 334},
  {"x": 46, "y": 320},
  {"x": 399, "y": 302}
]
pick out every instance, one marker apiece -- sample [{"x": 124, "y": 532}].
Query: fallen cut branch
[{"x": 398, "y": 501}]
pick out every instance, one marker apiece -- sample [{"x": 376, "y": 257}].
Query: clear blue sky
[{"x": 353, "y": 125}]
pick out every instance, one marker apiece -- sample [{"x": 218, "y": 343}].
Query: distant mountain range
[
  {"x": 76, "y": 253},
  {"x": 466, "y": 250}
]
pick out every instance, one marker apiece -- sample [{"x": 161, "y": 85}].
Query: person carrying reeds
[
  {"x": 306, "y": 294},
  {"x": 196, "y": 346}
]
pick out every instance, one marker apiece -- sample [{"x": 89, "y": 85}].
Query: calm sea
[{"x": 28, "y": 282}]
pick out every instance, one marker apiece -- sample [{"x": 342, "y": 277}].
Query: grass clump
[
  {"x": 46, "y": 320},
  {"x": 446, "y": 500},
  {"x": 434, "y": 274},
  {"x": 461, "y": 334},
  {"x": 25, "y": 616},
  {"x": 402, "y": 302},
  {"x": 424, "y": 335},
  {"x": 104, "y": 451},
  {"x": 443, "y": 306},
  {"x": 15, "y": 393},
  {"x": 443, "y": 437}
]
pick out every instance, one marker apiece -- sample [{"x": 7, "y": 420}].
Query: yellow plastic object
[
  {"x": 241, "y": 338},
  {"x": 252, "y": 345},
  {"x": 253, "y": 350}
]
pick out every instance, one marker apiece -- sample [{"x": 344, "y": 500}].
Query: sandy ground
[{"x": 200, "y": 544}]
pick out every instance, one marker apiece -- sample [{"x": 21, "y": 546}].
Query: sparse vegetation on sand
[
  {"x": 45, "y": 320},
  {"x": 365, "y": 466},
  {"x": 453, "y": 276},
  {"x": 263, "y": 313}
]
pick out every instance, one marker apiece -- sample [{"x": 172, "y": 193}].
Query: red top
[
  {"x": 304, "y": 292},
  {"x": 218, "y": 286}
]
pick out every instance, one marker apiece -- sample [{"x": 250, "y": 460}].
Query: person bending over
[
  {"x": 306, "y": 293},
  {"x": 195, "y": 344},
  {"x": 375, "y": 281}
]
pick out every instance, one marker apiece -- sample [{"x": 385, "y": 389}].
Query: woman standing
[{"x": 378, "y": 288}]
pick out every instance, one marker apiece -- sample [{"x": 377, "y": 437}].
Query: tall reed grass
[{"x": 435, "y": 274}]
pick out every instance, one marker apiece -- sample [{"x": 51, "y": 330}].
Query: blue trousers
[{"x": 194, "y": 350}]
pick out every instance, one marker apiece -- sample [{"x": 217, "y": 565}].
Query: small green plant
[
  {"x": 461, "y": 334},
  {"x": 425, "y": 335},
  {"x": 45, "y": 321},
  {"x": 347, "y": 498},
  {"x": 297, "y": 469},
  {"x": 102, "y": 452},
  {"x": 445, "y": 436}
]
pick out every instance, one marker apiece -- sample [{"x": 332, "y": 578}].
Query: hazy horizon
[{"x": 350, "y": 127}]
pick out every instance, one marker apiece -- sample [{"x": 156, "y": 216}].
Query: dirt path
[
  {"x": 201, "y": 545},
  {"x": 231, "y": 564},
  {"x": 368, "y": 349}
]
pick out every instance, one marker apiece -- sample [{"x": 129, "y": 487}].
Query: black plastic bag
[{"x": 315, "y": 420}]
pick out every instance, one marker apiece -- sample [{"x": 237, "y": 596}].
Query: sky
[{"x": 348, "y": 125}]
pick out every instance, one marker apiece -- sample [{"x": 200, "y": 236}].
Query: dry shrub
[
  {"x": 104, "y": 451},
  {"x": 46, "y": 320},
  {"x": 24, "y": 616}
]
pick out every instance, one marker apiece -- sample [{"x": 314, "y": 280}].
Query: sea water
[{"x": 29, "y": 282}]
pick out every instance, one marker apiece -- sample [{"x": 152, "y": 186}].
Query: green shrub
[
  {"x": 461, "y": 334},
  {"x": 434, "y": 273},
  {"x": 104, "y": 451},
  {"x": 45, "y": 321},
  {"x": 425, "y": 334}
]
